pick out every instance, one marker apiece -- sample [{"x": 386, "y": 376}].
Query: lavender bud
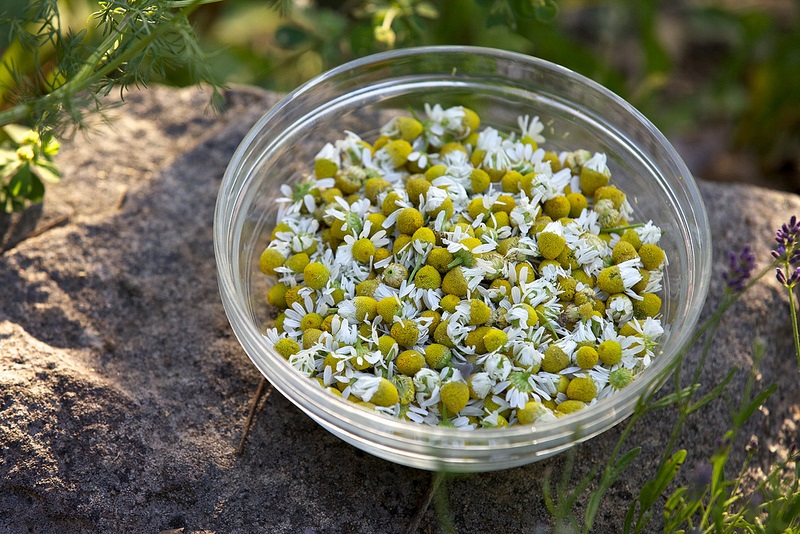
[{"x": 740, "y": 268}]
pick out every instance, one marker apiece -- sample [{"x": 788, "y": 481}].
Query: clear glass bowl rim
[{"x": 255, "y": 345}]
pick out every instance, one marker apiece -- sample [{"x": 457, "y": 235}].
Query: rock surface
[{"x": 123, "y": 391}]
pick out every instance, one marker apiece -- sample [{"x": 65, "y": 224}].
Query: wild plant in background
[
  {"x": 684, "y": 64},
  {"x": 52, "y": 78},
  {"x": 26, "y": 163},
  {"x": 787, "y": 257}
]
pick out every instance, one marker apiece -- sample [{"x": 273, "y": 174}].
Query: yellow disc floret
[
  {"x": 310, "y": 320},
  {"x": 652, "y": 256},
  {"x": 386, "y": 395},
  {"x": 495, "y": 339},
  {"x": 409, "y": 221},
  {"x": 649, "y": 306},
  {"x": 287, "y": 347},
  {"x": 405, "y": 332},
  {"x": 582, "y": 389},
  {"x": 276, "y": 295},
  {"x": 591, "y": 180},
  {"x": 479, "y": 312},
  {"x": 316, "y": 275},
  {"x": 555, "y": 359},
  {"x": 454, "y": 282},
  {"x": 570, "y": 406},
  {"x": 557, "y": 207},
  {"x": 551, "y": 245},
  {"x": 297, "y": 262},
  {"x": 311, "y": 337},
  {"x": 428, "y": 278},
  {"x": 270, "y": 259},
  {"x": 409, "y": 362},
  {"x": 479, "y": 180},
  {"x": 437, "y": 356},
  {"x": 398, "y": 151},
  {"x": 586, "y": 357},
  {"x": 610, "y": 280},
  {"x": 366, "y": 308},
  {"x": 388, "y": 308},
  {"x": 610, "y": 352},
  {"x": 532, "y": 411},
  {"x": 325, "y": 168},
  {"x": 424, "y": 235},
  {"x": 623, "y": 251},
  {"x": 455, "y": 396},
  {"x": 363, "y": 250},
  {"x": 577, "y": 203},
  {"x": 409, "y": 128}
]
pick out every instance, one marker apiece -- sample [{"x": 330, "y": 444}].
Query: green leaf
[
  {"x": 713, "y": 394},
  {"x": 20, "y": 183},
  {"x": 656, "y": 486},
  {"x": 289, "y": 37},
  {"x": 427, "y": 10},
  {"x": 673, "y": 398},
  {"x": 675, "y": 500},
  {"x": 47, "y": 172},
  {"x": 7, "y": 156},
  {"x": 547, "y": 11},
  {"x": 15, "y": 132},
  {"x": 745, "y": 412},
  {"x": 610, "y": 476},
  {"x": 36, "y": 191}
]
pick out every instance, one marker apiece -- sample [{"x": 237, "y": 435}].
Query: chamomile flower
[
  {"x": 497, "y": 365},
  {"x": 531, "y": 128},
  {"x": 427, "y": 384},
  {"x": 303, "y": 362},
  {"x": 524, "y": 214},
  {"x": 445, "y": 122},
  {"x": 649, "y": 234},
  {"x": 597, "y": 163},
  {"x": 648, "y": 333},
  {"x": 352, "y": 150}
]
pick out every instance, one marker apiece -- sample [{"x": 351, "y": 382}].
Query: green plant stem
[
  {"x": 793, "y": 313},
  {"x": 619, "y": 228},
  {"x": 436, "y": 481},
  {"x": 709, "y": 326},
  {"x": 95, "y": 70}
]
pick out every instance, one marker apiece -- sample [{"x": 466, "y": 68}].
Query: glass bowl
[{"x": 500, "y": 86}]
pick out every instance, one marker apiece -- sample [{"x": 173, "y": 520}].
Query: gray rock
[{"x": 123, "y": 391}]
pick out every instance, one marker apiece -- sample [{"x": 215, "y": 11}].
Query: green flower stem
[
  {"x": 417, "y": 267},
  {"x": 793, "y": 312},
  {"x": 620, "y": 228}
]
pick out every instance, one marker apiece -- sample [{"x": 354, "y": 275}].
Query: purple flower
[
  {"x": 788, "y": 233},
  {"x": 788, "y": 252},
  {"x": 793, "y": 279},
  {"x": 787, "y": 236},
  {"x": 740, "y": 268}
]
